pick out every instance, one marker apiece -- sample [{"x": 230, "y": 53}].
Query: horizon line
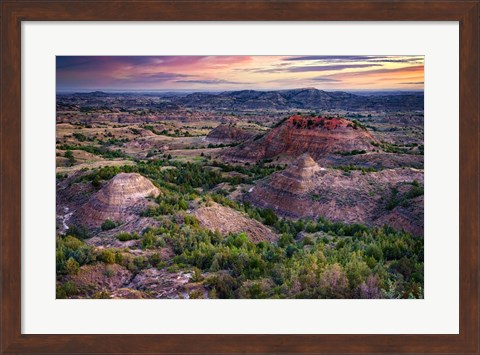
[{"x": 220, "y": 91}]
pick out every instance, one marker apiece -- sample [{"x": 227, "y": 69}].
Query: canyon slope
[
  {"x": 304, "y": 189},
  {"x": 227, "y": 134}
]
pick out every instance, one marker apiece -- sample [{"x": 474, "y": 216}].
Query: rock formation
[
  {"x": 299, "y": 177},
  {"x": 229, "y": 134},
  {"x": 124, "y": 195},
  {"x": 318, "y": 136},
  {"x": 304, "y": 189}
]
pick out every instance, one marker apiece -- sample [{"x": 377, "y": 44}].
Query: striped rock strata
[{"x": 124, "y": 195}]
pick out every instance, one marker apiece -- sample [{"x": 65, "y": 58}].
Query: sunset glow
[{"x": 222, "y": 73}]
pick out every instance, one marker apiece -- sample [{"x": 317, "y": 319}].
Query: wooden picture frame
[{"x": 12, "y": 15}]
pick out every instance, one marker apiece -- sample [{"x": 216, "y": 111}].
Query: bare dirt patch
[{"x": 226, "y": 220}]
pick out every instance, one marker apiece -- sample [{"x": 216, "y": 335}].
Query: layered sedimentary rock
[
  {"x": 124, "y": 195},
  {"x": 229, "y": 134},
  {"x": 304, "y": 189},
  {"x": 318, "y": 136},
  {"x": 300, "y": 176}
]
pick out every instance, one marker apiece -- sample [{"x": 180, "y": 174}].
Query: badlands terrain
[{"x": 247, "y": 194}]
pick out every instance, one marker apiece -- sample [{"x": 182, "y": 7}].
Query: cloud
[
  {"x": 209, "y": 82},
  {"x": 103, "y": 63},
  {"x": 326, "y": 80},
  {"x": 357, "y": 58},
  {"x": 315, "y": 68},
  {"x": 410, "y": 69},
  {"x": 153, "y": 77},
  {"x": 328, "y": 58},
  {"x": 335, "y": 67},
  {"x": 418, "y": 60}
]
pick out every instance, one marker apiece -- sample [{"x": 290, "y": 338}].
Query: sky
[{"x": 226, "y": 73}]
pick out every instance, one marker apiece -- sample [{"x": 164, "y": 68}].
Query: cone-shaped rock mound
[
  {"x": 124, "y": 195},
  {"x": 299, "y": 177},
  {"x": 304, "y": 167}
]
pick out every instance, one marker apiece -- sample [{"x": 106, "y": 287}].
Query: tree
[
  {"x": 374, "y": 251},
  {"x": 333, "y": 282},
  {"x": 270, "y": 217},
  {"x": 356, "y": 271},
  {"x": 369, "y": 288}
]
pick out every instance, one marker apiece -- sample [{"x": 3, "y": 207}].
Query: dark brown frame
[{"x": 13, "y": 12}]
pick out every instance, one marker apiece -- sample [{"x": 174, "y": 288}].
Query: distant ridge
[{"x": 305, "y": 98}]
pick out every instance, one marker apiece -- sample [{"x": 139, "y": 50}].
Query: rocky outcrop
[
  {"x": 304, "y": 189},
  {"x": 317, "y": 136},
  {"x": 226, "y": 220},
  {"x": 123, "y": 196},
  {"x": 299, "y": 178},
  {"x": 160, "y": 283},
  {"x": 226, "y": 133}
]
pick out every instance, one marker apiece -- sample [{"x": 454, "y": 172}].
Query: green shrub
[
  {"x": 72, "y": 242},
  {"x": 223, "y": 284},
  {"x": 65, "y": 290},
  {"x": 72, "y": 266},
  {"x": 308, "y": 241},
  {"x": 71, "y": 159},
  {"x": 196, "y": 275},
  {"x": 108, "y": 256},
  {"x": 148, "y": 240},
  {"x": 196, "y": 294},
  {"x": 125, "y": 236},
  {"x": 270, "y": 218},
  {"x": 80, "y": 232},
  {"x": 108, "y": 224},
  {"x": 191, "y": 220},
  {"x": 60, "y": 293}
]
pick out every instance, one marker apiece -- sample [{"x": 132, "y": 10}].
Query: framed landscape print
[
  {"x": 226, "y": 184},
  {"x": 239, "y": 188}
]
